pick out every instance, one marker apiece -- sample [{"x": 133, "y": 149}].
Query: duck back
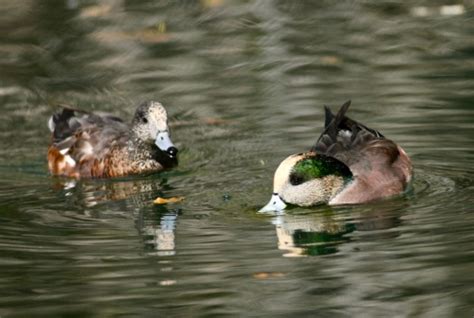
[
  {"x": 82, "y": 142},
  {"x": 381, "y": 167}
]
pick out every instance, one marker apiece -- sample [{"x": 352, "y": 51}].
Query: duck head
[
  {"x": 307, "y": 179},
  {"x": 150, "y": 125}
]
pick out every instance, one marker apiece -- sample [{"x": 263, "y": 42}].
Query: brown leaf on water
[
  {"x": 211, "y": 3},
  {"x": 330, "y": 60},
  {"x": 161, "y": 200},
  {"x": 96, "y": 11},
  {"x": 216, "y": 121},
  {"x": 151, "y": 35},
  {"x": 268, "y": 275},
  {"x": 155, "y": 34}
]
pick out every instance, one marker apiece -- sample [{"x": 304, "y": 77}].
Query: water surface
[{"x": 244, "y": 83}]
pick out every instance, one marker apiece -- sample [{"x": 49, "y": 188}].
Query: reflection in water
[
  {"x": 89, "y": 193},
  {"x": 159, "y": 237},
  {"x": 309, "y": 235},
  {"x": 321, "y": 233},
  {"x": 101, "y": 248},
  {"x": 134, "y": 196}
]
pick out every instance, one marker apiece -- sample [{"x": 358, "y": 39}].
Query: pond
[{"x": 244, "y": 83}]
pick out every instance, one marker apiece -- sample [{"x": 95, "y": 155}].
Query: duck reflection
[
  {"x": 129, "y": 197},
  {"x": 159, "y": 233},
  {"x": 308, "y": 235},
  {"x": 91, "y": 192},
  {"x": 324, "y": 231}
]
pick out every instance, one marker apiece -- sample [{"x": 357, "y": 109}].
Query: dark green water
[{"x": 244, "y": 83}]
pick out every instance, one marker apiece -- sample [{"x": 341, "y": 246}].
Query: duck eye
[{"x": 144, "y": 120}]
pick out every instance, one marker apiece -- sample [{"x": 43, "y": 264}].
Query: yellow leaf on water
[
  {"x": 161, "y": 200},
  {"x": 161, "y": 27}
]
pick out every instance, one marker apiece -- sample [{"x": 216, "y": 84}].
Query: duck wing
[
  {"x": 348, "y": 140},
  {"x": 82, "y": 137},
  {"x": 68, "y": 120}
]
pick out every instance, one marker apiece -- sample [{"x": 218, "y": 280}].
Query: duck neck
[
  {"x": 139, "y": 149},
  {"x": 149, "y": 153},
  {"x": 335, "y": 185}
]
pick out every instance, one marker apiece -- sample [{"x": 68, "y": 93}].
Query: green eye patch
[{"x": 318, "y": 166}]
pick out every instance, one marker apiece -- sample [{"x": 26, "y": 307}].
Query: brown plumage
[{"x": 88, "y": 144}]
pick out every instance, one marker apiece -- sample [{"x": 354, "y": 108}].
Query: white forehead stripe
[
  {"x": 283, "y": 171},
  {"x": 159, "y": 116}
]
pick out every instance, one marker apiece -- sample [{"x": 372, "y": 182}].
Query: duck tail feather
[
  {"x": 328, "y": 116},
  {"x": 61, "y": 124},
  {"x": 341, "y": 113},
  {"x": 331, "y": 126}
]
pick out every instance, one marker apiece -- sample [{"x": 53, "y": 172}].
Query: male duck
[
  {"x": 101, "y": 145},
  {"x": 349, "y": 164}
]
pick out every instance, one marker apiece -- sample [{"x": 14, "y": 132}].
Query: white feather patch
[
  {"x": 345, "y": 133},
  {"x": 69, "y": 161},
  {"x": 51, "y": 124},
  {"x": 87, "y": 148},
  {"x": 64, "y": 151}
]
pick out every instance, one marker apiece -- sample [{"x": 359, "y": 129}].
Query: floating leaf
[{"x": 161, "y": 200}]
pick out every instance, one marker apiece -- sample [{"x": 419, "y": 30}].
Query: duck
[
  {"x": 100, "y": 145},
  {"x": 350, "y": 163}
]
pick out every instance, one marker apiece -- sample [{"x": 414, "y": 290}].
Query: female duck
[
  {"x": 349, "y": 164},
  {"x": 101, "y": 145}
]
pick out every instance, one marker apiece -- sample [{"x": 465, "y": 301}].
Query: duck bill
[
  {"x": 163, "y": 141},
  {"x": 276, "y": 204}
]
